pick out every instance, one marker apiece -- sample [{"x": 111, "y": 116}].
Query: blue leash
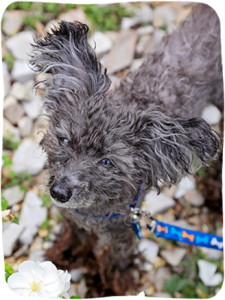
[
  {"x": 191, "y": 237},
  {"x": 179, "y": 234},
  {"x": 165, "y": 230}
]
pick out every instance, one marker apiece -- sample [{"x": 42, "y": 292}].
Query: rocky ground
[{"x": 171, "y": 269}]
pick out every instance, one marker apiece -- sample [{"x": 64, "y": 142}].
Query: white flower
[
  {"x": 65, "y": 282},
  {"x": 141, "y": 294},
  {"x": 35, "y": 279}
]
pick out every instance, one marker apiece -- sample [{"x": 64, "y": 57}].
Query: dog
[{"x": 104, "y": 146}]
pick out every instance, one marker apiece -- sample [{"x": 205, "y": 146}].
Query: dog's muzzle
[{"x": 61, "y": 194}]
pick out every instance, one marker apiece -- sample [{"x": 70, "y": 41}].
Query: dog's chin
[{"x": 72, "y": 203}]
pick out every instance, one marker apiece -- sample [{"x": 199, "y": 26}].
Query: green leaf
[
  {"x": 4, "y": 203},
  {"x": 7, "y": 161},
  {"x": 8, "y": 271},
  {"x": 175, "y": 284},
  {"x": 75, "y": 297},
  {"x": 46, "y": 201},
  {"x": 15, "y": 220}
]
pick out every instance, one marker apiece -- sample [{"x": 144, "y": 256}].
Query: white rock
[
  {"x": 112, "y": 35},
  {"x": 9, "y": 129},
  {"x": 12, "y": 21},
  {"x": 31, "y": 217},
  {"x": 147, "y": 1},
  {"x": 20, "y": 45},
  {"x": 161, "y": 275},
  {"x": 33, "y": 107},
  {"x": 145, "y": 14},
  {"x": 14, "y": 111},
  {"x": 18, "y": 90},
  {"x": 21, "y": 71},
  {"x": 212, "y": 253},
  {"x": 143, "y": 43},
  {"x": 28, "y": 157},
  {"x": 37, "y": 255},
  {"x": 127, "y": 23},
  {"x": 1, "y": 162},
  {"x": 9, "y": 237},
  {"x": 6, "y": 78},
  {"x": 147, "y": 266},
  {"x": 157, "y": 203},
  {"x": 102, "y": 41},
  {"x": 186, "y": 184},
  {"x": 104, "y": 4},
  {"x": 184, "y": 224},
  {"x": 13, "y": 194},
  {"x": 158, "y": 35},
  {"x": 74, "y": 14},
  {"x": 162, "y": 295},
  {"x": 211, "y": 114},
  {"x": 136, "y": 64},
  {"x": 76, "y": 274},
  {"x": 25, "y": 125},
  {"x": 30, "y": 90},
  {"x": 145, "y": 30},
  {"x": 187, "y": 2},
  {"x": 166, "y": 12},
  {"x": 207, "y": 272},
  {"x": 194, "y": 198},
  {"x": 47, "y": 244},
  {"x": 2, "y": 38},
  {"x": 149, "y": 249},
  {"x": 174, "y": 256}
]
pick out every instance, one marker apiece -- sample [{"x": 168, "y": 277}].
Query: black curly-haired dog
[{"x": 103, "y": 145}]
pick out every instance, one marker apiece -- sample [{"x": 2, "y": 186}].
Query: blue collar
[{"x": 132, "y": 205}]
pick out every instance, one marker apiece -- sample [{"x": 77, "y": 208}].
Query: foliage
[
  {"x": 175, "y": 284},
  {"x": 106, "y": 17},
  {"x": 7, "y": 161},
  {"x": 102, "y": 18},
  {"x": 8, "y": 143},
  {"x": 201, "y": 172},
  {"x": 8, "y": 271},
  {"x": 9, "y": 59},
  {"x": 46, "y": 201},
  {"x": 4, "y": 203},
  {"x": 47, "y": 225},
  {"x": 191, "y": 287},
  {"x": 164, "y": 27},
  {"x": 75, "y": 297},
  {"x": 12, "y": 179}
]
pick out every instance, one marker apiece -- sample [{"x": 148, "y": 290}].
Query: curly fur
[{"x": 149, "y": 127}]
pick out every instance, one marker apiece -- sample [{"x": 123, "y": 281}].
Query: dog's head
[{"x": 100, "y": 151}]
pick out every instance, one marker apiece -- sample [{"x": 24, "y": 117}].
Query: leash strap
[{"x": 192, "y": 237}]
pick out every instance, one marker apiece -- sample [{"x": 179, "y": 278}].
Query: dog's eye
[
  {"x": 106, "y": 162},
  {"x": 63, "y": 141}
]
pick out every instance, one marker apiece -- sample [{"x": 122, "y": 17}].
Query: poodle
[{"x": 104, "y": 146}]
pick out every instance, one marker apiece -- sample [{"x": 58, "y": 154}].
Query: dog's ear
[
  {"x": 66, "y": 55},
  {"x": 170, "y": 147}
]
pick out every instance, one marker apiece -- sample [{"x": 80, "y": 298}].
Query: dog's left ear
[
  {"x": 170, "y": 147},
  {"x": 66, "y": 55}
]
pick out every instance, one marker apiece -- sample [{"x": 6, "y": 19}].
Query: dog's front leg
[{"x": 115, "y": 253}]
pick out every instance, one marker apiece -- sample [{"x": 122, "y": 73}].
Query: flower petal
[
  {"x": 16, "y": 280},
  {"x": 29, "y": 269}
]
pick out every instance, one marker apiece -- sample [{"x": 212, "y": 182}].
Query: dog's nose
[{"x": 61, "y": 194}]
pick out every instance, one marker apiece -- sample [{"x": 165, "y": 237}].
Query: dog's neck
[{"x": 119, "y": 213}]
